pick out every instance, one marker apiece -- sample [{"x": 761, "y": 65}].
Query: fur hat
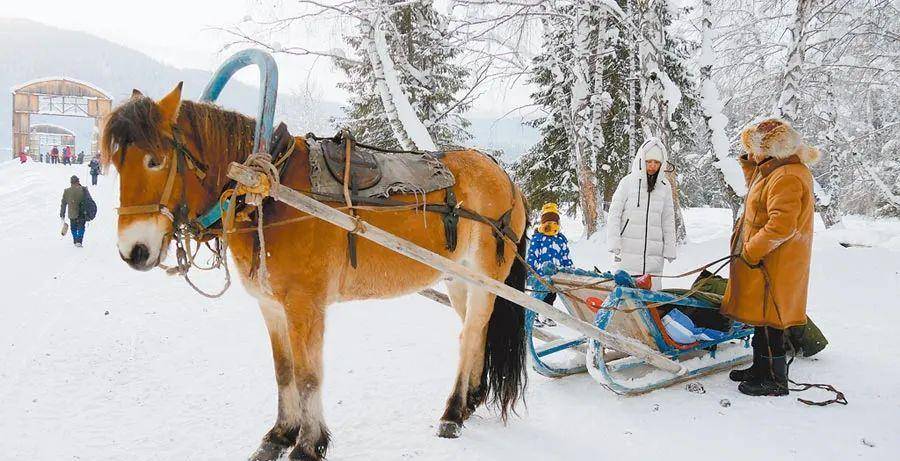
[{"x": 776, "y": 138}]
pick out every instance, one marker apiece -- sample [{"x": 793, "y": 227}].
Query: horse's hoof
[
  {"x": 449, "y": 430},
  {"x": 268, "y": 451},
  {"x": 303, "y": 455}
]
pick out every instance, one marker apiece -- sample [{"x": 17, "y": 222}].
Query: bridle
[
  {"x": 185, "y": 229},
  {"x": 180, "y": 158}
]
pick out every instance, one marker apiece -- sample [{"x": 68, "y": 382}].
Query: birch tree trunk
[
  {"x": 409, "y": 131},
  {"x": 716, "y": 121},
  {"x": 581, "y": 120},
  {"x": 789, "y": 99},
  {"x": 832, "y": 213}
]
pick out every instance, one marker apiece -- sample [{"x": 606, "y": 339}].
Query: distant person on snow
[
  {"x": 54, "y": 155},
  {"x": 772, "y": 246},
  {"x": 94, "y": 166},
  {"x": 72, "y": 200},
  {"x": 23, "y": 157},
  {"x": 641, "y": 227},
  {"x": 81, "y": 158},
  {"x": 67, "y": 155},
  {"x": 548, "y": 246}
]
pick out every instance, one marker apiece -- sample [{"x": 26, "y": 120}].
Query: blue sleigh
[{"x": 629, "y": 312}]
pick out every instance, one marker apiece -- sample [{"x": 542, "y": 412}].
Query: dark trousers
[
  {"x": 768, "y": 341},
  {"x": 93, "y": 180},
  {"x": 77, "y": 227}
]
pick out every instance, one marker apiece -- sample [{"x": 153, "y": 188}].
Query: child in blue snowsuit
[{"x": 548, "y": 246}]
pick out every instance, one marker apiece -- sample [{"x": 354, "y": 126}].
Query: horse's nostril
[{"x": 139, "y": 254}]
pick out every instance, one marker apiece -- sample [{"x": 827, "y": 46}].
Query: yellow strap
[
  {"x": 138, "y": 209},
  {"x": 170, "y": 181}
]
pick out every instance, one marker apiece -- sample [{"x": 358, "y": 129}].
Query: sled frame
[{"x": 605, "y": 367}]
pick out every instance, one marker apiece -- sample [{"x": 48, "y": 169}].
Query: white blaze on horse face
[{"x": 148, "y": 233}]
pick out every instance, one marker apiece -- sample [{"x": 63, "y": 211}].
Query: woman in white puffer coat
[{"x": 641, "y": 225}]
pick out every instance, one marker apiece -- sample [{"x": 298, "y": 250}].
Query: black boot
[
  {"x": 747, "y": 373},
  {"x": 772, "y": 378}
]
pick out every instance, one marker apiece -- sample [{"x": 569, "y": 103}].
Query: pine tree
[
  {"x": 429, "y": 75},
  {"x": 547, "y": 172}
]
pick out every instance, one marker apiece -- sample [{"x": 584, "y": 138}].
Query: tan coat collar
[{"x": 771, "y": 164}]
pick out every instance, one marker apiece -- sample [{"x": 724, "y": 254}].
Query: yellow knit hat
[
  {"x": 549, "y": 219},
  {"x": 550, "y": 207}
]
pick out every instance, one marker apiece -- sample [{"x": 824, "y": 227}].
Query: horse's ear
[
  {"x": 136, "y": 93},
  {"x": 171, "y": 103}
]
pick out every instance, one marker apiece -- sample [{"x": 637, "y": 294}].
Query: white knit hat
[
  {"x": 653, "y": 149},
  {"x": 654, "y": 152}
]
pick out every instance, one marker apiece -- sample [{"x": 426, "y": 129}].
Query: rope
[{"x": 839, "y": 397}]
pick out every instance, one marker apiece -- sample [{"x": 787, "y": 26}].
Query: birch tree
[
  {"x": 406, "y": 89},
  {"x": 587, "y": 106},
  {"x": 793, "y": 69}
]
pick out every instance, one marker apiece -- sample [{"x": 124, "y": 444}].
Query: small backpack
[{"x": 88, "y": 206}]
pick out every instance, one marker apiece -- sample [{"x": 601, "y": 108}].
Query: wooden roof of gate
[{"x": 61, "y": 86}]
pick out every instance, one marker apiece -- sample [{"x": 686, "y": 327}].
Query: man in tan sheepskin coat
[{"x": 768, "y": 283}]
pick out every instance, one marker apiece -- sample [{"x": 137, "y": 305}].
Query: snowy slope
[{"x": 170, "y": 375}]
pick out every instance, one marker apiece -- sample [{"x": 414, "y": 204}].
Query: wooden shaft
[
  {"x": 441, "y": 298},
  {"x": 250, "y": 177}
]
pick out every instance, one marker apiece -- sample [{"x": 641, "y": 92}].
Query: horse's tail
[{"x": 504, "y": 377}]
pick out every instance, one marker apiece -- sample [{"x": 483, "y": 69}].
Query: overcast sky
[{"x": 179, "y": 32}]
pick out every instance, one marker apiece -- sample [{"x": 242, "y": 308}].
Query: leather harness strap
[
  {"x": 159, "y": 207},
  {"x": 348, "y": 179}
]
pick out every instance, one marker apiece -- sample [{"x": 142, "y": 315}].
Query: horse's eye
[{"x": 151, "y": 162}]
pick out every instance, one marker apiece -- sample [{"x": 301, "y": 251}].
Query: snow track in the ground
[{"x": 170, "y": 375}]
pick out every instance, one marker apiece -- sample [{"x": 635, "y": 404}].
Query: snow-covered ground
[{"x": 100, "y": 362}]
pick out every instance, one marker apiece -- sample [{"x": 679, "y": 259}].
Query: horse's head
[
  {"x": 138, "y": 139},
  {"x": 171, "y": 156}
]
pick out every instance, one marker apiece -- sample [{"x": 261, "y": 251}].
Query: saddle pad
[
  {"x": 401, "y": 173},
  {"x": 364, "y": 170}
]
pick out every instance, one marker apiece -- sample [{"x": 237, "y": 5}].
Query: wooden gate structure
[{"x": 56, "y": 96}]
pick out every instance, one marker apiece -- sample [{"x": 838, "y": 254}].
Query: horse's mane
[{"x": 221, "y": 136}]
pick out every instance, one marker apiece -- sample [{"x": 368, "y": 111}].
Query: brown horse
[{"x": 308, "y": 262}]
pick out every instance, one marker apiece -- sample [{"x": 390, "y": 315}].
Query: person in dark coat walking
[
  {"x": 54, "y": 155},
  {"x": 80, "y": 158},
  {"x": 94, "y": 166},
  {"x": 71, "y": 202}
]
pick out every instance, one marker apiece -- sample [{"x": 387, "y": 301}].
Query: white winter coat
[{"x": 641, "y": 225}]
